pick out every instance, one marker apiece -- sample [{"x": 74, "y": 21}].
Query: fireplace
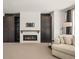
[{"x": 29, "y": 37}]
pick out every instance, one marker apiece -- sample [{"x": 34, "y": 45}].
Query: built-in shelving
[{"x": 67, "y": 25}]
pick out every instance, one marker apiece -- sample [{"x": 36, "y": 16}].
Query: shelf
[
  {"x": 67, "y": 24},
  {"x": 30, "y": 31}
]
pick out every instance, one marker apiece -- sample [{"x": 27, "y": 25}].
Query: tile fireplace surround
[{"x": 30, "y": 36}]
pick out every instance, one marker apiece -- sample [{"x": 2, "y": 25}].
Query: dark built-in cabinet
[
  {"x": 69, "y": 19},
  {"x": 46, "y": 28},
  {"x": 8, "y": 29},
  {"x": 11, "y": 27},
  {"x": 17, "y": 28},
  {"x": 68, "y": 30}
]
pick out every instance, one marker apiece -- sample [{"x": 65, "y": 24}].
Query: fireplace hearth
[{"x": 29, "y": 37}]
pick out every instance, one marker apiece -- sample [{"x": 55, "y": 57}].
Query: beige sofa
[{"x": 64, "y": 47}]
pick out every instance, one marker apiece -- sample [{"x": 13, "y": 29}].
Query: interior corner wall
[
  {"x": 73, "y": 20},
  {"x": 59, "y": 17},
  {"x": 52, "y": 15}
]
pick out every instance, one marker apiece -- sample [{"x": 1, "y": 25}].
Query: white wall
[
  {"x": 15, "y": 6},
  {"x": 27, "y": 17},
  {"x": 73, "y": 20},
  {"x": 58, "y": 22}
]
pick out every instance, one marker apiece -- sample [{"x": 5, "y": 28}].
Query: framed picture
[{"x": 30, "y": 25}]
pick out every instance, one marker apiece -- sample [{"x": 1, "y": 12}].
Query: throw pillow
[
  {"x": 57, "y": 40},
  {"x": 68, "y": 40},
  {"x": 61, "y": 39}
]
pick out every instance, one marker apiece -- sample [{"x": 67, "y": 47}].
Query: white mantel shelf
[{"x": 30, "y": 31}]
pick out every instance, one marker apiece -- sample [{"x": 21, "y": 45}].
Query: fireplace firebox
[{"x": 29, "y": 37}]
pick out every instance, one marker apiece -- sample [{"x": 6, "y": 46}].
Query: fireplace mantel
[{"x": 30, "y": 31}]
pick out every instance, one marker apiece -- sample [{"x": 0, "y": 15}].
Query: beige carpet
[{"x": 26, "y": 51}]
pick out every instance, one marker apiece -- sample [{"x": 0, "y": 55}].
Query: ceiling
[{"x": 35, "y": 5}]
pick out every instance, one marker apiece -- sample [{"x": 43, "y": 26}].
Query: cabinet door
[
  {"x": 8, "y": 29},
  {"x": 5, "y": 29},
  {"x": 69, "y": 16},
  {"x": 46, "y": 28}
]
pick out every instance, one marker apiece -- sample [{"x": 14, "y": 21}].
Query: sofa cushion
[{"x": 64, "y": 48}]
